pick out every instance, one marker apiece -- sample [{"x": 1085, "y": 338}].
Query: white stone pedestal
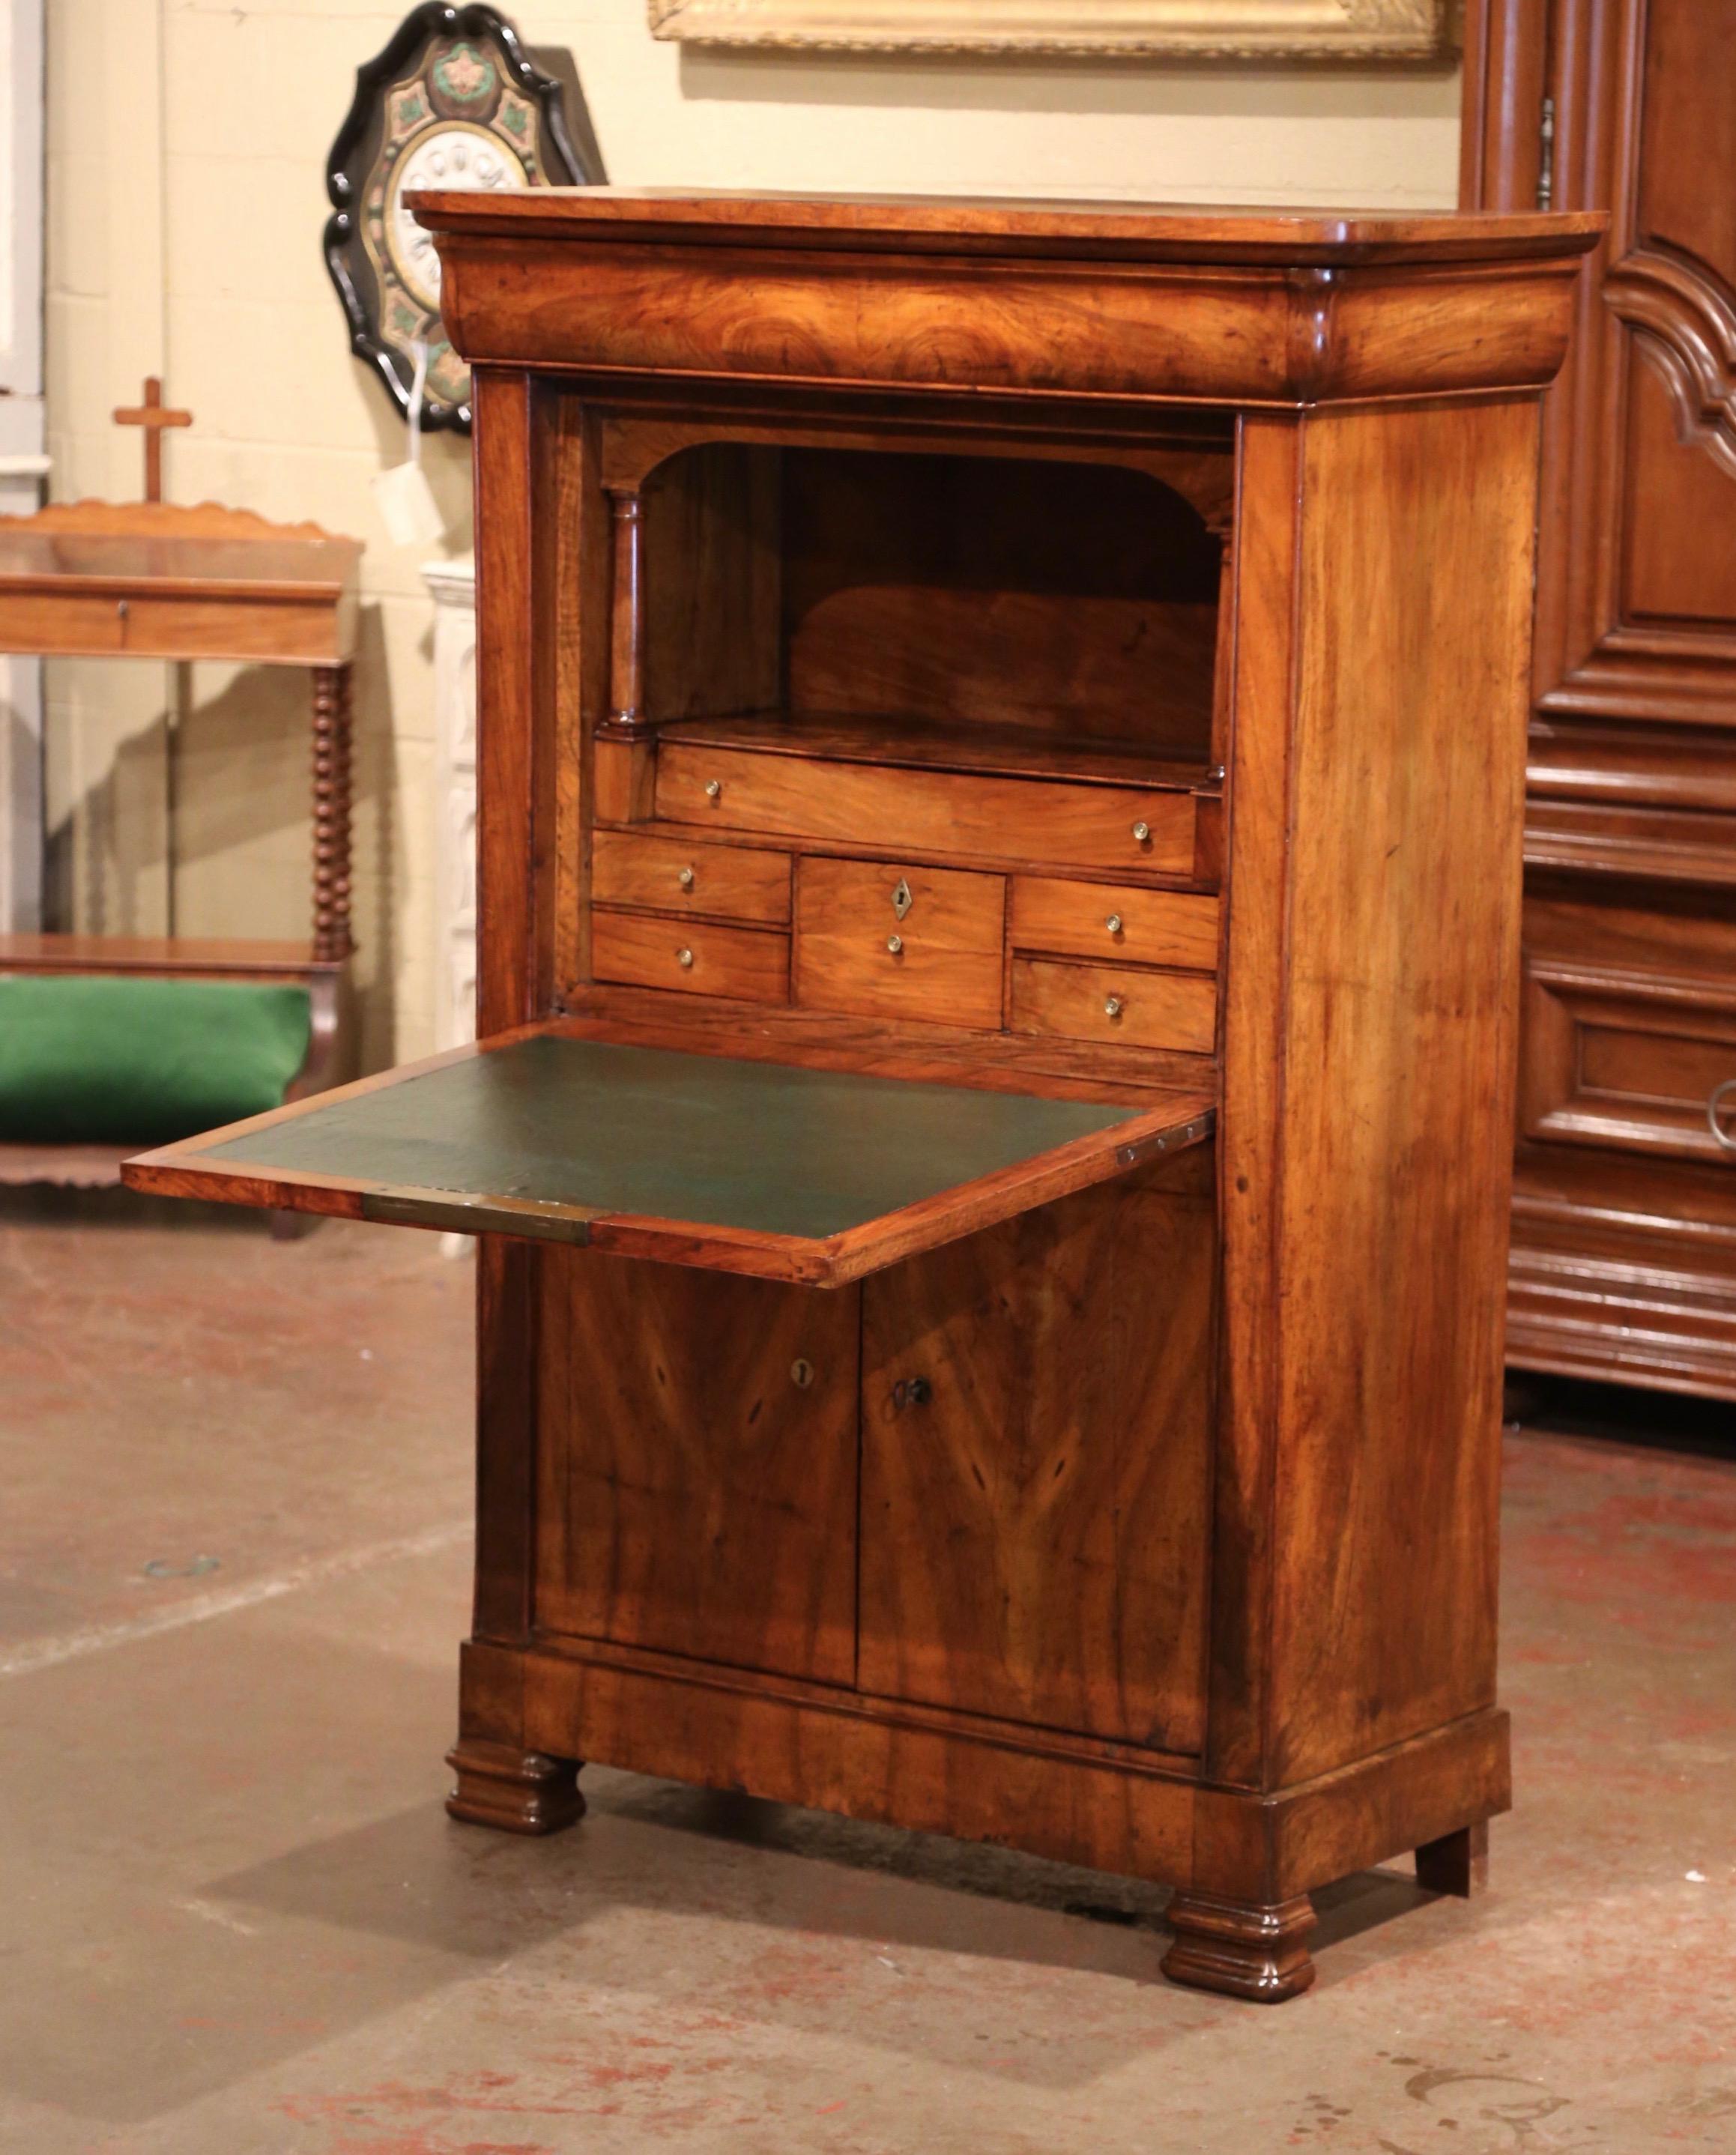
[{"x": 453, "y": 587}]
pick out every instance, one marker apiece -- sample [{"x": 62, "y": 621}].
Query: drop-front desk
[{"x": 1001, "y": 755}]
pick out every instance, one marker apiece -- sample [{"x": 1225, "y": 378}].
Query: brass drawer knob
[
  {"x": 714, "y": 789},
  {"x": 1715, "y": 1112},
  {"x": 1142, "y": 833},
  {"x": 911, "y": 1392},
  {"x": 686, "y": 878},
  {"x": 1113, "y": 923},
  {"x": 685, "y": 958},
  {"x": 895, "y": 944},
  {"x": 1113, "y": 1007}
]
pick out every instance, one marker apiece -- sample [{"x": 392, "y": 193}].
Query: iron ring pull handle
[{"x": 1714, "y": 1108}]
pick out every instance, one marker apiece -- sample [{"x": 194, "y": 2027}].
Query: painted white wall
[
  {"x": 187, "y": 145},
  {"x": 22, "y": 461}
]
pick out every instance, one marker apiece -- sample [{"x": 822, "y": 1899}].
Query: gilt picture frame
[{"x": 1367, "y": 30}]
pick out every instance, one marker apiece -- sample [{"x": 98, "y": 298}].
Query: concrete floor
[{"x": 233, "y": 1572}]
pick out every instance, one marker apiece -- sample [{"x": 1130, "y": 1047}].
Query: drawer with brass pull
[
  {"x": 639, "y": 950},
  {"x": 1642, "y": 1062},
  {"x": 1113, "y": 921},
  {"x": 725, "y": 882},
  {"x": 1115, "y": 1002},
  {"x": 1627, "y": 1036},
  {"x": 882, "y": 940},
  {"x": 1047, "y": 821}
]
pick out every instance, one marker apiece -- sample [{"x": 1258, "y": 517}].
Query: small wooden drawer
[
  {"x": 1112, "y": 1002},
  {"x": 881, "y": 940},
  {"x": 727, "y": 883},
  {"x": 748, "y": 965},
  {"x": 30, "y": 621},
  {"x": 1047, "y": 821},
  {"x": 1113, "y": 921},
  {"x": 1629, "y": 1061}
]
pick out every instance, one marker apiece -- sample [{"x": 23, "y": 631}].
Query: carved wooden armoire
[
  {"x": 1624, "y": 1236},
  {"x": 1001, "y": 771}
]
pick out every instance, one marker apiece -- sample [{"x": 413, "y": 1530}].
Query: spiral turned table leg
[{"x": 331, "y": 812}]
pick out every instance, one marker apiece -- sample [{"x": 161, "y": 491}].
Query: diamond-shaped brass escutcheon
[{"x": 902, "y": 900}]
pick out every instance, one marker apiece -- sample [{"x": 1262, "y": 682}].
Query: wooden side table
[{"x": 154, "y": 580}]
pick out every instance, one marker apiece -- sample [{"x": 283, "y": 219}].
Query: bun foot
[
  {"x": 1240, "y": 1948},
  {"x": 513, "y": 1790},
  {"x": 1458, "y": 1863}
]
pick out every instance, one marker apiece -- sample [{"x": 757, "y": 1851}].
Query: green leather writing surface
[{"x": 659, "y": 1134}]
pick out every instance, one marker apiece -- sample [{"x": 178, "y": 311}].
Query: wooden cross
[{"x": 153, "y": 415}]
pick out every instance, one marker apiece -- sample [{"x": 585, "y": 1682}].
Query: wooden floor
[{"x": 237, "y": 1920}]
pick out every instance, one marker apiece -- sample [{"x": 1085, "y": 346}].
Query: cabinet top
[
  {"x": 1151, "y": 231},
  {"x": 1115, "y": 301}
]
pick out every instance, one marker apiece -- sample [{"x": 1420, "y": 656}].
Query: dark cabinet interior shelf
[{"x": 911, "y": 742}]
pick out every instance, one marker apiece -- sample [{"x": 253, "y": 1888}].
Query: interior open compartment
[{"x": 998, "y": 612}]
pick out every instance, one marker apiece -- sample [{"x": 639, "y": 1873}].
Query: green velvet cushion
[{"x": 103, "y": 1059}]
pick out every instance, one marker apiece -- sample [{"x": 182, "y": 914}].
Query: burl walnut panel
[
  {"x": 1036, "y": 1463},
  {"x": 696, "y": 1482},
  {"x": 998, "y": 591}
]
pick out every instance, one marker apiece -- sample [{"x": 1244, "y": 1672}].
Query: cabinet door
[
  {"x": 696, "y": 1443},
  {"x": 1036, "y": 1416},
  {"x": 1637, "y": 561}
]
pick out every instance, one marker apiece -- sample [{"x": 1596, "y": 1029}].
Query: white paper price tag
[{"x": 411, "y": 514}]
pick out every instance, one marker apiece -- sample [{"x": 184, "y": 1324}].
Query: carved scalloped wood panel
[{"x": 1637, "y": 574}]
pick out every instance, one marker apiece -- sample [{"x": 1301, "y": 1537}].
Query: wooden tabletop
[
  {"x": 27, "y": 953},
  {"x": 165, "y": 580},
  {"x": 764, "y": 1168},
  {"x": 120, "y": 546},
  {"x": 1154, "y": 232}
]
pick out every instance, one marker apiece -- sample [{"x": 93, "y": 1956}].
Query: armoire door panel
[
  {"x": 1035, "y": 1490},
  {"x": 1679, "y": 514},
  {"x": 1688, "y": 132},
  {"x": 1636, "y": 599},
  {"x": 1622, "y": 1264},
  {"x": 696, "y": 1464}
]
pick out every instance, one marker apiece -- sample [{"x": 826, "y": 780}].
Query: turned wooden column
[
  {"x": 628, "y": 719},
  {"x": 331, "y": 812},
  {"x": 1222, "y": 525}
]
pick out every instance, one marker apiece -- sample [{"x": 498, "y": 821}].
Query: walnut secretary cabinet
[{"x": 1002, "y": 741}]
